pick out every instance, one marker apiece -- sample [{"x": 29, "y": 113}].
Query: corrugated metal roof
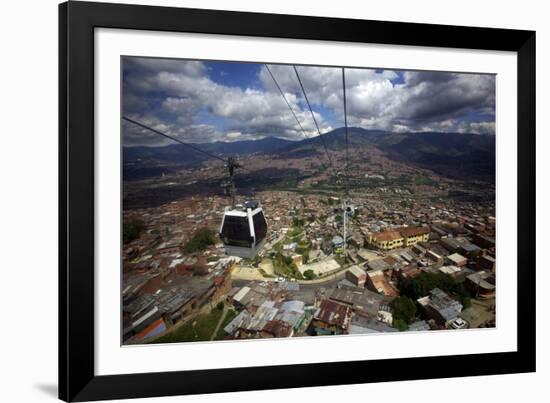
[{"x": 241, "y": 294}]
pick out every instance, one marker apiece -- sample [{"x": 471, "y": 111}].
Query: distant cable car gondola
[{"x": 243, "y": 230}]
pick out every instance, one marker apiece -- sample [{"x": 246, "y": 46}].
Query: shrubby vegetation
[
  {"x": 463, "y": 295},
  {"x": 304, "y": 249},
  {"x": 425, "y": 282},
  {"x": 400, "y": 324},
  {"x": 202, "y": 238},
  {"x": 404, "y": 309},
  {"x": 198, "y": 329},
  {"x": 264, "y": 273},
  {"x": 425, "y": 180},
  {"x": 231, "y": 314},
  {"x": 284, "y": 266},
  {"x": 131, "y": 229}
]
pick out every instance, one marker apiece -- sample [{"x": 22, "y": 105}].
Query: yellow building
[
  {"x": 413, "y": 235},
  {"x": 386, "y": 240},
  {"x": 402, "y": 237}
]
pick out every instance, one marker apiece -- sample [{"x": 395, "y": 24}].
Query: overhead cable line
[
  {"x": 346, "y": 129},
  {"x": 231, "y": 162},
  {"x": 313, "y": 116},
  {"x": 286, "y": 100}
]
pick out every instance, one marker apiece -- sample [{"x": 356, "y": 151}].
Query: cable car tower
[
  {"x": 229, "y": 186},
  {"x": 243, "y": 229},
  {"x": 347, "y": 206}
]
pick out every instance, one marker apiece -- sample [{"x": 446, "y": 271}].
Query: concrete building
[
  {"x": 337, "y": 244},
  {"x": 439, "y": 306},
  {"x": 485, "y": 262},
  {"x": 378, "y": 282},
  {"x": 451, "y": 270},
  {"x": 386, "y": 240},
  {"x": 356, "y": 275},
  {"x": 332, "y": 318},
  {"x": 360, "y": 325},
  {"x": 482, "y": 284},
  {"x": 457, "y": 259},
  {"x": 413, "y": 235},
  {"x": 419, "y": 326},
  {"x": 401, "y": 237},
  {"x": 363, "y": 302}
]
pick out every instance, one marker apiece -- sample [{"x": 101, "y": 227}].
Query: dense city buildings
[
  {"x": 251, "y": 210},
  {"x": 435, "y": 253}
]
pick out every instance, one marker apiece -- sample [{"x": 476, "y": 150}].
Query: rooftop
[
  {"x": 357, "y": 271},
  {"x": 414, "y": 231},
  {"x": 456, "y": 258},
  {"x": 483, "y": 279},
  {"x": 361, "y": 300},
  {"x": 334, "y": 313},
  {"x": 441, "y": 302},
  {"x": 387, "y": 236}
]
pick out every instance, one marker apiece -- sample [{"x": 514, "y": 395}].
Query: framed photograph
[{"x": 257, "y": 201}]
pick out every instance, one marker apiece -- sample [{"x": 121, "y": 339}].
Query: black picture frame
[{"x": 77, "y": 379}]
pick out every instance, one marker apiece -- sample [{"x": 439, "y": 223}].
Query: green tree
[
  {"x": 304, "y": 249},
  {"x": 400, "y": 324},
  {"x": 131, "y": 229},
  {"x": 285, "y": 266},
  {"x": 309, "y": 274},
  {"x": 466, "y": 302},
  {"x": 256, "y": 261},
  {"x": 202, "y": 238},
  {"x": 403, "y": 308},
  {"x": 425, "y": 282}
]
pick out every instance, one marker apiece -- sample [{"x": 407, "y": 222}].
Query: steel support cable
[
  {"x": 346, "y": 131},
  {"x": 313, "y": 116},
  {"x": 286, "y": 101},
  {"x": 229, "y": 162}
]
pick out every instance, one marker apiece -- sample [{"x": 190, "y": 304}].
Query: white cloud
[
  {"x": 250, "y": 111},
  {"x": 178, "y": 91}
]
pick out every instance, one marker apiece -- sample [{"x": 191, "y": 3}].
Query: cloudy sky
[{"x": 202, "y": 102}]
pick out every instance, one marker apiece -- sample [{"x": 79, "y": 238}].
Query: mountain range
[{"x": 458, "y": 155}]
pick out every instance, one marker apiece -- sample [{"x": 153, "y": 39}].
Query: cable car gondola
[{"x": 243, "y": 230}]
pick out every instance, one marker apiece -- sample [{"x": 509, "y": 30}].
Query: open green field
[
  {"x": 201, "y": 331},
  {"x": 479, "y": 312},
  {"x": 231, "y": 314}
]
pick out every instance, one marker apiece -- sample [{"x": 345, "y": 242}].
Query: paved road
[{"x": 329, "y": 282}]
